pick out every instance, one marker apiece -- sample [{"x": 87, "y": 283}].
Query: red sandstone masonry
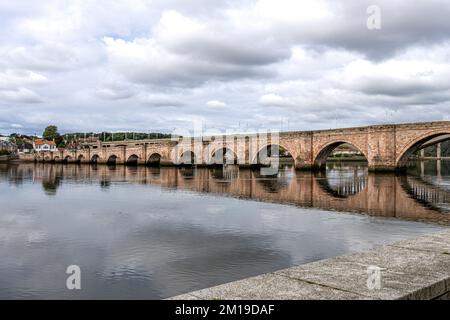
[{"x": 386, "y": 147}]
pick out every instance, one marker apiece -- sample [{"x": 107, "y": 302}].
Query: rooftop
[{"x": 40, "y": 142}]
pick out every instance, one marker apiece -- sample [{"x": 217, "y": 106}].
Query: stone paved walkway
[{"x": 410, "y": 269}]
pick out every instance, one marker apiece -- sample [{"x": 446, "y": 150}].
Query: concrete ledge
[{"x": 416, "y": 269}]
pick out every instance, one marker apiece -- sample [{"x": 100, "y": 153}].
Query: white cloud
[
  {"x": 12, "y": 78},
  {"x": 22, "y": 95},
  {"x": 272, "y": 99},
  {"x": 216, "y": 104},
  {"x": 140, "y": 64}
]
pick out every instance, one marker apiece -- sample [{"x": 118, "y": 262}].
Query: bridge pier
[
  {"x": 166, "y": 163},
  {"x": 385, "y": 168},
  {"x": 304, "y": 165},
  {"x": 311, "y": 167},
  {"x": 98, "y": 161}
]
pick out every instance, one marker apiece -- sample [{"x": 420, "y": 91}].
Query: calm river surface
[{"x": 150, "y": 233}]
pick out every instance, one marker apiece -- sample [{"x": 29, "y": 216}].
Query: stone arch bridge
[{"x": 386, "y": 147}]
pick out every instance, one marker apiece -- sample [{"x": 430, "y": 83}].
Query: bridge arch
[
  {"x": 327, "y": 149},
  {"x": 95, "y": 159},
  {"x": 56, "y": 159},
  {"x": 343, "y": 183},
  {"x": 112, "y": 159},
  {"x": 67, "y": 159},
  {"x": 188, "y": 157},
  {"x": 271, "y": 150},
  {"x": 224, "y": 155},
  {"x": 47, "y": 159},
  {"x": 132, "y": 160},
  {"x": 416, "y": 144},
  {"x": 81, "y": 158},
  {"x": 154, "y": 160}
]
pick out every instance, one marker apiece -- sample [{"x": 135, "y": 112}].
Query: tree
[
  {"x": 51, "y": 133},
  {"x": 60, "y": 142}
]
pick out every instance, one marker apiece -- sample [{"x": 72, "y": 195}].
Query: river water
[{"x": 152, "y": 233}]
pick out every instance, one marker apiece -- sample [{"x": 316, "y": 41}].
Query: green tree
[
  {"x": 60, "y": 142},
  {"x": 51, "y": 133}
]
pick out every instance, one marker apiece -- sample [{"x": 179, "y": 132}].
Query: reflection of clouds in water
[
  {"x": 317, "y": 234},
  {"x": 37, "y": 237},
  {"x": 12, "y": 226},
  {"x": 194, "y": 255},
  {"x": 158, "y": 251},
  {"x": 343, "y": 180},
  {"x": 215, "y": 209}
]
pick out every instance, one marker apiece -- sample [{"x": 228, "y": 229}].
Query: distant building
[
  {"x": 7, "y": 145},
  {"x": 25, "y": 148},
  {"x": 44, "y": 145}
]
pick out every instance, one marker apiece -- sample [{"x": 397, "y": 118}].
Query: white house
[{"x": 44, "y": 145}]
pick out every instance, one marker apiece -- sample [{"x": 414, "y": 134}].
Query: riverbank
[
  {"x": 411, "y": 269},
  {"x": 347, "y": 159},
  {"x": 7, "y": 158}
]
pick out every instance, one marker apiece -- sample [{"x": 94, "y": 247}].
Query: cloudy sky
[{"x": 157, "y": 65}]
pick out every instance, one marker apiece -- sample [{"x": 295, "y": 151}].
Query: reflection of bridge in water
[
  {"x": 436, "y": 197},
  {"x": 346, "y": 190},
  {"x": 344, "y": 183},
  {"x": 429, "y": 184}
]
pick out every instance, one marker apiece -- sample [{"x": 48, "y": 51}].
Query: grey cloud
[
  {"x": 161, "y": 100},
  {"x": 115, "y": 91},
  {"x": 246, "y": 53},
  {"x": 51, "y": 56},
  {"x": 171, "y": 69},
  {"x": 395, "y": 87},
  {"x": 22, "y": 95},
  {"x": 114, "y": 94},
  {"x": 154, "y": 65},
  {"x": 403, "y": 24}
]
